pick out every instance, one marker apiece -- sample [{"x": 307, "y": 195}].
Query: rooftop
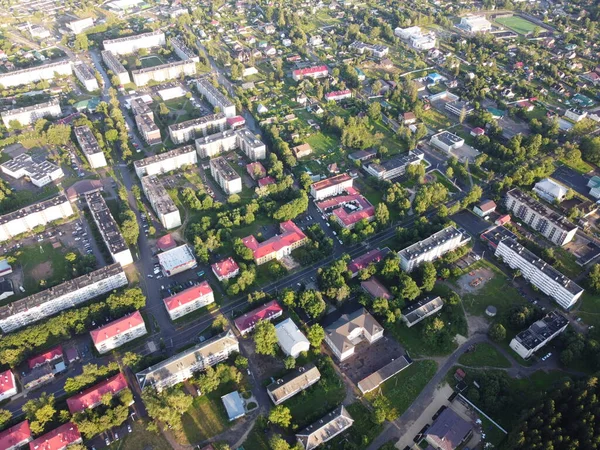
[
  {"x": 87, "y": 140},
  {"x": 187, "y": 295},
  {"x": 325, "y": 428},
  {"x": 431, "y": 242},
  {"x": 290, "y": 234},
  {"x": 448, "y": 138},
  {"x": 415, "y": 310},
  {"x": 166, "y": 242},
  {"x": 541, "y": 330},
  {"x": 332, "y": 181},
  {"x": 116, "y": 327},
  {"x": 34, "y": 170},
  {"x": 53, "y": 353},
  {"x": 106, "y": 223},
  {"x": 163, "y": 66},
  {"x": 93, "y": 396},
  {"x": 208, "y": 86},
  {"x": 363, "y": 261},
  {"x": 550, "y": 215},
  {"x": 225, "y": 267},
  {"x": 294, "y": 382},
  {"x": 179, "y": 256},
  {"x": 487, "y": 205},
  {"x": 375, "y": 289},
  {"x": 176, "y": 42},
  {"x": 397, "y": 161},
  {"x": 311, "y": 70},
  {"x": 349, "y": 209},
  {"x": 84, "y": 71},
  {"x": 497, "y": 234},
  {"x": 58, "y": 438},
  {"x": 340, "y": 330},
  {"x": 234, "y": 405},
  {"x": 35, "y": 69},
  {"x": 448, "y": 430},
  {"x": 221, "y": 165},
  {"x": 32, "y": 209},
  {"x": 113, "y": 62},
  {"x": 193, "y": 123},
  {"x": 263, "y": 312},
  {"x": 135, "y": 37},
  {"x": 139, "y": 106},
  {"x": 14, "y": 435},
  {"x": 7, "y": 381},
  {"x": 158, "y": 195},
  {"x": 164, "y": 156}
]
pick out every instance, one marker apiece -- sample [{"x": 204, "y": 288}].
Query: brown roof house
[
  {"x": 348, "y": 331},
  {"x": 375, "y": 289}
]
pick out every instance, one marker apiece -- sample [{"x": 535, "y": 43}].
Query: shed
[{"x": 234, "y": 405}]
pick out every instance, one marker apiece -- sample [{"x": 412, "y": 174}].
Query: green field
[
  {"x": 484, "y": 355},
  {"x": 141, "y": 439},
  {"x": 207, "y": 417},
  {"x": 517, "y": 24},
  {"x": 151, "y": 61}
]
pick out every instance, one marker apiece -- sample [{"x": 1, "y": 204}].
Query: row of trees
[{"x": 113, "y": 412}]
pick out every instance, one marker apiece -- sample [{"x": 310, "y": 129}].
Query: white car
[{"x": 150, "y": 275}]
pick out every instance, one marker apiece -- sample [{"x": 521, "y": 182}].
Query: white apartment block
[
  {"x": 131, "y": 44},
  {"x": 8, "y": 386},
  {"x": 225, "y": 141},
  {"x": 432, "y": 248},
  {"x": 118, "y": 332},
  {"x": 39, "y": 173},
  {"x": 189, "y": 300},
  {"x": 419, "y": 310},
  {"x": 35, "y": 74},
  {"x": 182, "y": 50},
  {"x": 79, "y": 26},
  {"x": 539, "y": 273},
  {"x": 376, "y": 50},
  {"x": 109, "y": 230},
  {"x": 29, "y": 114},
  {"x": 26, "y": 219},
  {"x": 527, "y": 342},
  {"x": 90, "y": 147},
  {"x": 166, "y": 162},
  {"x": 253, "y": 147},
  {"x": 447, "y": 141},
  {"x": 163, "y": 205},
  {"x": 416, "y": 37},
  {"x": 148, "y": 128},
  {"x": 71, "y": 293},
  {"x": 86, "y": 76},
  {"x": 475, "y": 24},
  {"x": 331, "y": 186},
  {"x": 215, "y": 97},
  {"x": 223, "y": 173},
  {"x": 142, "y": 77},
  {"x": 116, "y": 67},
  {"x": 190, "y": 129},
  {"x": 184, "y": 365},
  {"x": 549, "y": 223},
  {"x": 395, "y": 166}
]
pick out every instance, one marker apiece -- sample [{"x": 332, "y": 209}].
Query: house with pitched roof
[{"x": 349, "y": 330}]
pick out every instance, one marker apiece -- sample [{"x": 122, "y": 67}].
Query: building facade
[
  {"x": 27, "y": 115},
  {"x": 278, "y": 246},
  {"x": 550, "y": 190},
  {"x": 163, "y": 205},
  {"x": 225, "y": 176},
  {"x": 310, "y": 72},
  {"x": 86, "y": 76},
  {"x": 118, "y": 332},
  {"x": 188, "y": 130},
  {"x": 115, "y": 66},
  {"x": 39, "y": 173},
  {"x": 141, "y": 77},
  {"x": 182, "y": 50},
  {"x": 215, "y": 97},
  {"x": 396, "y": 166},
  {"x": 90, "y": 147},
  {"x": 35, "y": 74},
  {"x": 349, "y": 330},
  {"x": 8, "y": 385},
  {"x": 131, "y": 44},
  {"x": 225, "y": 141},
  {"x": 166, "y": 162},
  {"x": 447, "y": 141},
  {"x": 529, "y": 341},
  {"x": 331, "y": 186},
  {"x": 189, "y": 300}
]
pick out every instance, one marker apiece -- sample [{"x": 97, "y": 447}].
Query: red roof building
[
  {"x": 375, "y": 289},
  {"x": 15, "y": 436},
  {"x": 331, "y": 186},
  {"x": 235, "y": 122},
  {"x": 266, "y": 181},
  {"x": 363, "y": 261},
  {"x": 189, "y": 300},
  {"x": 348, "y": 210},
  {"x": 310, "y": 72},
  {"x": 225, "y": 269},
  {"x": 502, "y": 219},
  {"x": 256, "y": 170},
  {"x": 269, "y": 311},
  {"x": 277, "y": 247},
  {"x": 50, "y": 355},
  {"x": 166, "y": 243},
  {"x": 118, "y": 332},
  {"x": 57, "y": 439},
  {"x": 90, "y": 398},
  {"x": 477, "y": 131},
  {"x": 8, "y": 387},
  {"x": 338, "y": 95}
]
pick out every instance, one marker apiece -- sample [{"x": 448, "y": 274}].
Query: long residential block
[
  {"x": 190, "y": 129},
  {"x": 223, "y": 173},
  {"x": 331, "y": 186},
  {"x": 549, "y": 223},
  {"x": 166, "y": 162},
  {"x": 396, "y": 166},
  {"x": 215, "y": 97},
  {"x": 225, "y": 141},
  {"x": 182, "y": 366},
  {"x": 162, "y": 203},
  {"x": 142, "y": 77},
  {"x": 293, "y": 383},
  {"x": 118, "y": 332},
  {"x": 325, "y": 429},
  {"x": 188, "y": 300},
  {"x": 115, "y": 66},
  {"x": 182, "y": 50},
  {"x": 131, "y": 44},
  {"x": 539, "y": 273},
  {"x": 58, "y": 298},
  {"x": 90, "y": 147},
  {"x": 419, "y": 310},
  {"x": 26, "y": 219},
  {"x": 35, "y": 74},
  {"x": 529, "y": 341},
  {"x": 86, "y": 76},
  {"x": 29, "y": 114}
]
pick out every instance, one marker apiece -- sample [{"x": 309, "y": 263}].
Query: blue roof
[
  {"x": 434, "y": 76},
  {"x": 234, "y": 405}
]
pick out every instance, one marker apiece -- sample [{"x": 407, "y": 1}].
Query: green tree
[
  {"x": 5, "y": 417},
  {"x": 289, "y": 362},
  {"x": 382, "y": 215},
  {"x": 129, "y": 227},
  {"x": 497, "y": 332},
  {"x": 593, "y": 279},
  {"x": 429, "y": 275},
  {"x": 241, "y": 362},
  {"x": 409, "y": 290},
  {"x": 163, "y": 110},
  {"x": 280, "y": 415},
  {"x": 130, "y": 359},
  {"x": 39, "y": 412},
  {"x": 81, "y": 42},
  {"x": 315, "y": 335},
  {"x": 265, "y": 338}
]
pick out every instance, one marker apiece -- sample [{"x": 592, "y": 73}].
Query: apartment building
[
  {"x": 90, "y": 147},
  {"x": 109, "y": 230},
  {"x": 225, "y": 141},
  {"x": 28, "y": 115},
  {"x": 419, "y": 310},
  {"x": 539, "y": 273},
  {"x": 58, "y": 439},
  {"x": 8, "y": 385},
  {"x": 118, "y": 332},
  {"x": 148, "y": 129},
  {"x": 85, "y": 74},
  {"x": 188, "y": 300},
  {"x": 161, "y": 202},
  {"x": 26, "y": 219},
  {"x": 331, "y": 186},
  {"x": 253, "y": 147},
  {"x": 343, "y": 335},
  {"x": 349, "y": 209},
  {"x": 131, "y": 44},
  {"x": 447, "y": 141},
  {"x": 15, "y": 437},
  {"x": 336, "y": 96},
  {"x": 529, "y": 341},
  {"x": 550, "y": 224},
  {"x": 395, "y": 166},
  {"x": 182, "y": 50},
  {"x": 432, "y": 248},
  {"x": 142, "y": 77},
  {"x": 71, "y": 293},
  {"x": 35, "y": 74},
  {"x": 184, "y": 365},
  {"x": 215, "y": 97},
  {"x": 278, "y": 246},
  {"x": 177, "y": 260},
  {"x": 166, "y": 162},
  {"x": 92, "y": 397},
  {"x": 190, "y": 129},
  {"x": 247, "y": 322},
  {"x": 325, "y": 429},
  {"x": 293, "y": 383},
  {"x": 361, "y": 48},
  {"x": 115, "y": 66},
  {"x": 223, "y": 173},
  {"x": 79, "y": 26},
  {"x": 39, "y": 173},
  {"x": 310, "y": 72}
]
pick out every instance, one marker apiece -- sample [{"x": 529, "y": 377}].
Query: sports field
[{"x": 517, "y": 24}]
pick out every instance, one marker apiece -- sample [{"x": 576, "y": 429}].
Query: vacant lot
[
  {"x": 207, "y": 416},
  {"x": 484, "y": 355},
  {"x": 141, "y": 439},
  {"x": 517, "y": 24},
  {"x": 43, "y": 266}
]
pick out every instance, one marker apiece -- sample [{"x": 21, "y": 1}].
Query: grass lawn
[
  {"x": 43, "y": 262},
  {"x": 579, "y": 166},
  {"x": 402, "y": 389},
  {"x": 207, "y": 416},
  {"x": 517, "y": 24},
  {"x": 141, "y": 439},
  {"x": 257, "y": 438},
  {"x": 589, "y": 303},
  {"x": 568, "y": 264},
  {"x": 363, "y": 430},
  {"x": 151, "y": 61},
  {"x": 321, "y": 142},
  {"x": 443, "y": 180},
  {"x": 484, "y": 355},
  {"x": 435, "y": 120}
]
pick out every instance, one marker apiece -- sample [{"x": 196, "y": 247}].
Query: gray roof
[
  {"x": 338, "y": 331},
  {"x": 415, "y": 310},
  {"x": 294, "y": 382},
  {"x": 448, "y": 431},
  {"x": 325, "y": 428},
  {"x": 550, "y": 215},
  {"x": 541, "y": 330}
]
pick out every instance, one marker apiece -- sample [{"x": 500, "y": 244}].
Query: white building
[
  {"x": 576, "y": 115},
  {"x": 419, "y": 310},
  {"x": 395, "y": 166},
  {"x": 549, "y": 223},
  {"x": 90, "y": 147},
  {"x": 35, "y": 74},
  {"x": 184, "y": 365},
  {"x": 539, "y": 273},
  {"x": 44, "y": 304},
  {"x": 215, "y": 97},
  {"x": 325, "y": 429},
  {"x": 177, "y": 260},
  {"x": 27, "y": 115},
  {"x": 118, "y": 332},
  {"x": 79, "y": 26},
  {"x": 116, "y": 67},
  {"x": 131, "y": 44},
  {"x": 142, "y": 77},
  {"x": 223, "y": 173},
  {"x": 166, "y": 162},
  {"x": 163, "y": 205},
  {"x": 293, "y": 383},
  {"x": 225, "y": 141},
  {"x": 378, "y": 51},
  {"x": 86, "y": 76},
  {"x": 26, "y": 219},
  {"x": 8, "y": 386},
  {"x": 432, "y": 248},
  {"x": 527, "y": 342},
  {"x": 331, "y": 186},
  {"x": 39, "y": 173},
  {"x": 447, "y": 141},
  {"x": 291, "y": 340},
  {"x": 182, "y": 50},
  {"x": 109, "y": 230},
  {"x": 188, "y": 300},
  {"x": 550, "y": 190},
  {"x": 475, "y": 24},
  {"x": 190, "y": 129},
  {"x": 416, "y": 38},
  {"x": 349, "y": 330}
]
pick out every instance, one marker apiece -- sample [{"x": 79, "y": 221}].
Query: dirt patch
[
  {"x": 474, "y": 280},
  {"x": 42, "y": 271}
]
